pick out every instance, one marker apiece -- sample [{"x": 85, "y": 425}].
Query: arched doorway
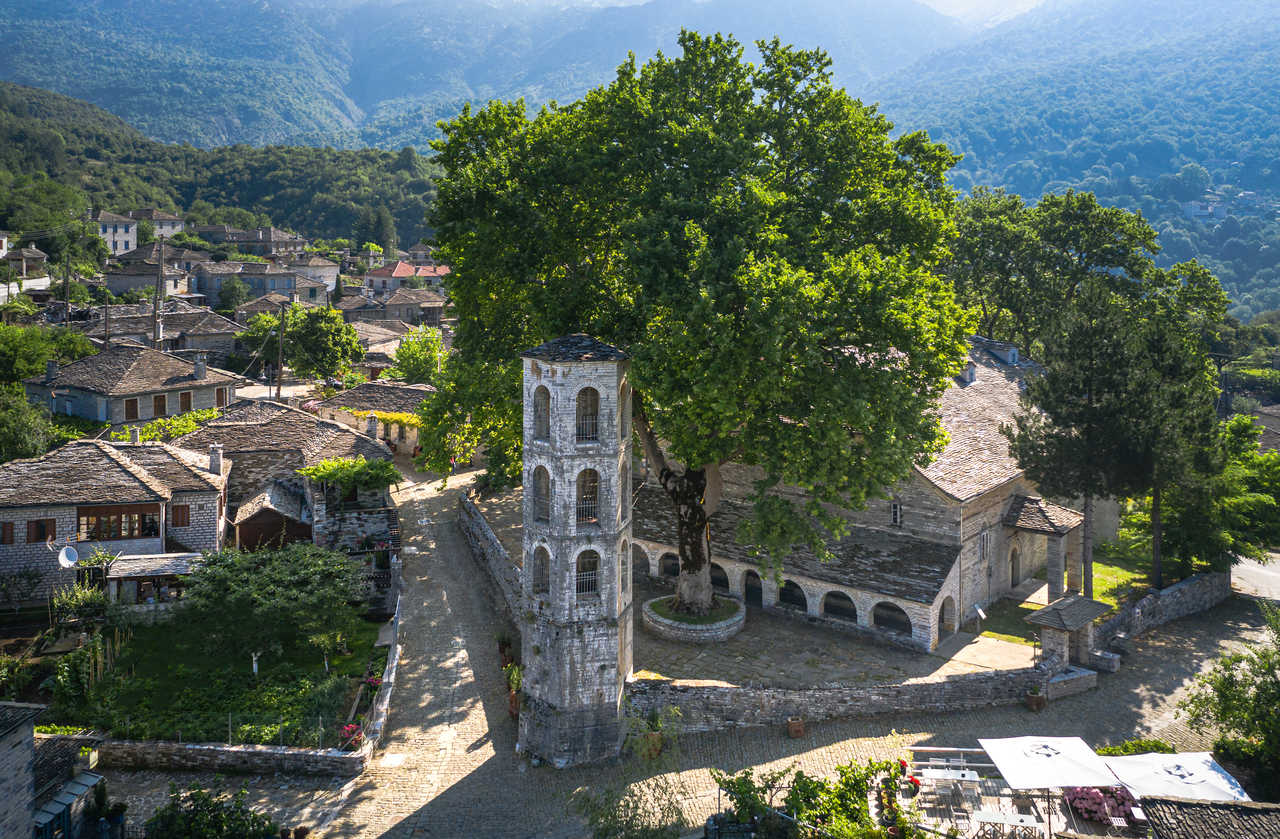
[
  {"x": 719, "y": 579},
  {"x": 752, "y": 591},
  {"x": 891, "y": 618},
  {"x": 1015, "y": 570},
  {"x": 837, "y": 604},
  {"x": 670, "y": 565},
  {"x": 947, "y": 616},
  {"x": 792, "y": 597},
  {"x": 639, "y": 563}
]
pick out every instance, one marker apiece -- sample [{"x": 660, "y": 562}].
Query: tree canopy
[
  {"x": 318, "y": 343},
  {"x": 756, "y": 241},
  {"x": 419, "y": 358}
]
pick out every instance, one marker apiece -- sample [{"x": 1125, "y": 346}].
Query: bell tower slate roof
[{"x": 576, "y": 347}]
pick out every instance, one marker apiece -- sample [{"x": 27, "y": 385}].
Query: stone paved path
[{"x": 447, "y": 766}]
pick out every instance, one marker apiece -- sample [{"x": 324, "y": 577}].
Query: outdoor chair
[
  {"x": 960, "y": 818},
  {"x": 1119, "y": 825}
]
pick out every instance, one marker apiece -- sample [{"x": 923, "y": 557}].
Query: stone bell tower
[{"x": 576, "y": 578}]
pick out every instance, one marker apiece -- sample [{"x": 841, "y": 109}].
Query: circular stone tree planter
[{"x": 696, "y": 633}]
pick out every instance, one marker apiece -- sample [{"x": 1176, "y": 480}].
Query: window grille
[
  {"x": 541, "y": 414},
  {"x": 541, "y": 571},
  {"x": 588, "y": 427},
  {"x": 588, "y": 497},
  {"x": 541, "y": 494},
  {"x": 895, "y": 513},
  {"x": 588, "y": 582},
  {"x": 984, "y": 545}
]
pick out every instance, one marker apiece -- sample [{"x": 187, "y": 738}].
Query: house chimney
[
  {"x": 215, "y": 458},
  {"x": 293, "y": 295},
  {"x": 372, "y": 426},
  {"x": 50, "y": 370},
  {"x": 970, "y": 373},
  {"x": 201, "y": 365},
  {"x": 135, "y": 434}
]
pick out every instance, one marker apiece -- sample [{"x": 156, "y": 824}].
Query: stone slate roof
[
  {"x": 314, "y": 261},
  {"x": 111, "y": 218},
  {"x": 153, "y": 565},
  {"x": 14, "y": 714},
  {"x": 1183, "y": 818},
  {"x": 278, "y": 497},
  {"x": 99, "y": 472},
  {"x": 150, "y": 252},
  {"x": 380, "y": 396},
  {"x": 176, "y": 324},
  {"x": 1269, "y": 419},
  {"x": 1069, "y": 613},
  {"x": 270, "y": 302},
  {"x": 351, "y": 301},
  {"x": 370, "y": 334},
  {"x": 28, "y": 252},
  {"x": 872, "y": 560},
  {"x": 56, "y": 757},
  {"x": 126, "y": 370},
  {"x": 419, "y": 296},
  {"x": 152, "y": 214},
  {"x": 397, "y": 327},
  {"x": 576, "y": 347},
  {"x": 260, "y": 425},
  {"x": 1031, "y": 512},
  {"x": 977, "y": 458}
]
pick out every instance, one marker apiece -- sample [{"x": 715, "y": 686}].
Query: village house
[
  {"x": 6, "y": 239},
  {"x": 354, "y": 407},
  {"x": 166, "y": 224},
  {"x": 127, "y": 383},
  {"x": 141, "y": 275},
  {"x": 215, "y": 234},
  {"x": 260, "y": 278},
  {"x": 269, "y": 303},
  {"x": 421, "y": 254},
  {"x": 954, "y": 536},
  {"x": 184, "y": 329},
  {"x": 178, "y": 258},
  {"x": 131, "y": 499},
  {"x": 393, "y": 275},
  {"x": 418, "y": 306},
  {"x": 266, "y": 241},
  {"x": 357, "y": 307},
  {"x": 119, "y": 232},
  {"x": 270, "y": 503},
  {"x": 379, "y": 345},
  {"x": 27, "y": 262},
  {"x": 317, "y": 269}
]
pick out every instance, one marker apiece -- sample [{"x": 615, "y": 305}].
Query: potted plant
[
  {"x": 651, "y": 740},
  {"x": 909, "y": 787},
  {"x": 1036, "y": 700},
  {"x": 795, "y": 727},
  {"x": 504, "y": 649},
  {"x": 515, "y": 677}
]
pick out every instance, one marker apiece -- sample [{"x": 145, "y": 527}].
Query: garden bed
[{"x": 726, "y": 619}]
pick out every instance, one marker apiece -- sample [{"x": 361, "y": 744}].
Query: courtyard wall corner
[
  {"x": 493, "y": 557},
  {"x": 1195, "y": 594}
]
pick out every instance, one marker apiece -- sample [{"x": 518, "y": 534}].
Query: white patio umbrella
[
  {"x": 1186, "y": 775},
  {"x": 1047, "y": 763}
]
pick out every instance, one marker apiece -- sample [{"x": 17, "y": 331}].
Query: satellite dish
[{"x": 68, "y": 557}]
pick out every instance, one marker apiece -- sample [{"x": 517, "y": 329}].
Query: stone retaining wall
[
  {"x": 486, "y": 548},
  {"x": 710, "y": 707},
  {"x": 704, "y": 633},
  {"x": 1192, "y": 595}
]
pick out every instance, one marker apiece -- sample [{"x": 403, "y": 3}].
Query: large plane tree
[{"x": 753, "y": 238}]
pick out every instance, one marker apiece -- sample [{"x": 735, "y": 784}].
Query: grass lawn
[
  {"x": 165, "y": 685},
  {"x": 722, "y": 608}
]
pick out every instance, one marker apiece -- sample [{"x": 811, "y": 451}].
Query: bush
[
  {"x": 1138, "y": 747},
  {"x": 195, "y": 814}
]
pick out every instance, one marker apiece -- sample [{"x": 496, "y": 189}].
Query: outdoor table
[
  {"x": 1006, "y": 825},
  {"x": 964, "y": 775}
]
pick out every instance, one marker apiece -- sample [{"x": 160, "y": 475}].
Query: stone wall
[
  {"x": 204, "y": 533},
  {"x": 711, "y": 707},
  {"x": 1192, "y": 595},
  {"x": 486, "y": 548},
  {"x": 219, "y": 757},
  {"x": 693, "y": 633}
]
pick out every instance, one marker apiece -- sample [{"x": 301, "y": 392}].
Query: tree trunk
[
  {"x": 1086, "y": 547},
  {"x": 1157, "y": 572},
  {"x": 693, "y": 536}
]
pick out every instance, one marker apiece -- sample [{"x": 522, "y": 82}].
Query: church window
[
  {"x": 588, "y": 496},
  {"x": 895, "y": 513},
  {"x": 588, "y": 580},
  {"x": 588, "y": 426}
]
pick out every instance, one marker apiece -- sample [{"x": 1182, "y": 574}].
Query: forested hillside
[
  {"x": 318, "y": 191},
  {"x": 381, "y": 73},
  {"x": 1149, "y": 103}
]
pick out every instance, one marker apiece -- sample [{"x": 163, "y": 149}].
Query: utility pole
[
  {"x": 157, "y": 338},
  {"x": 280, "y": 352},
  {"x": 66, "y": 285}
]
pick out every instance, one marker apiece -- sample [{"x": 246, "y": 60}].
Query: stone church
[{"x": 957, "y": 534}]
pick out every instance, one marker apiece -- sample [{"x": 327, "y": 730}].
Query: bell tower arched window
[
  {"x": 588, "y": 507},
  {"x": 541, "y": 414},
  {"x": 588, "y": 424},
  {"x": 541, "y": 571},
  {"x": 588, "y": 579},
  {"x": 541, "y": 494}
]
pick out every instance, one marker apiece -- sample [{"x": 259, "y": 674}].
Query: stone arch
[
  {"x": 542, "y": 413},
  {"x": 791, "y": 595},
  {"x": 541, "y": 572},
  {"x": 891, "y": 618},
  {"x": 1015, "y": 567},
  {"x": 719, "y": 579},
  {"x": 541, "y": 494},
  {"x": 587, "y": 427},
  {"x": 587, "y": 579},
  {"x": 669, "y": 565},
  {"x": 752, "y": 589},
  {"x": 947, "y": 616},
  {"x": 588, "y": 497},
  {"x": 837, "y": 604},
  {"x": 639, "y": 560}
]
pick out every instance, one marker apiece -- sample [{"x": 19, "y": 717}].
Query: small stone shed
[{"x": 1067, "y": 627}]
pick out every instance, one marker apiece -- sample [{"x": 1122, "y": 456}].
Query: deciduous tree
[
  {"x": 419, "y": 358},
  {"x": 757, "y": 242}
]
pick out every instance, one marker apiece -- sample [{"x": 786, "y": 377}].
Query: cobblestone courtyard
[{"x": 447, "y": 766}]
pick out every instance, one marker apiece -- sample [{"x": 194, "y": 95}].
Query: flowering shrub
[
  {"x": 352, "y": 735},
  {"x": 374, "y": 682},
  {"x": 1098, "y": 804}
]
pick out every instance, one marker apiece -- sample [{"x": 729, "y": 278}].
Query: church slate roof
[
  {"x": 1031, "y": 512},
  {"x": 892, "y": 564},
  {"x": 1182, "y": 818},
  {"x": 576, "y": 347}
]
